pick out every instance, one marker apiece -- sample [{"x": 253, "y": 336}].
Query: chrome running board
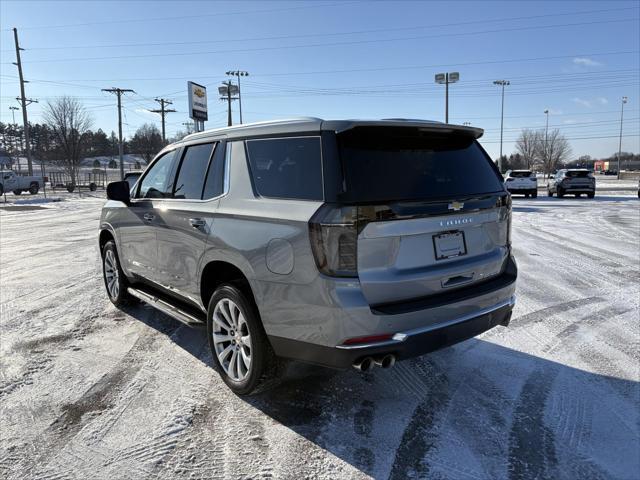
[{"x": 166, "y": 307}]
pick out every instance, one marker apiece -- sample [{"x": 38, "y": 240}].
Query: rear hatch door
[
  {"x": 578, "y": 179},
  {"x": 432, "y": 211}
]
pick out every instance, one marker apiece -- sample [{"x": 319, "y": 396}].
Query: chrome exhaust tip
[
  {"x": 387, "y": 361},
  {"x": 364, "y": 364}
]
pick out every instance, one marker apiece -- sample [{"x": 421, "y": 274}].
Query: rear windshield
[
  {"x": 576, "y": 174},
  {"x": 386, "y": 163},
  {"x": 520, "y": 174}
]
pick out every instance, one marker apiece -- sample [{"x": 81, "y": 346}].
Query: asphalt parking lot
[{"x": 88, "y": 391}]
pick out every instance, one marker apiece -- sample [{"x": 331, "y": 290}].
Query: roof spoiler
[{"x": 340, "y": 126}]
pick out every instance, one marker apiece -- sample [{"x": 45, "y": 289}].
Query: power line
[
  {"x": 331, "y": 34},
  {"x": 333, "y": 44},
  {"x": 183, "y": 17}
]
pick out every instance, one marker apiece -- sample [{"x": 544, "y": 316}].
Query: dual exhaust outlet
[{"x": 366, "y": 364}]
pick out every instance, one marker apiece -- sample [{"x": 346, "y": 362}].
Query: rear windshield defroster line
[{"x": 387, "y": 163}]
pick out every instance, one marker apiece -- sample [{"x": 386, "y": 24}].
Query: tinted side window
[
  {"x": 287, "y": 167},
  {"x": 156, "y": 183},
  {"x": 214, "y": 185},
  {"x": 193, "y": 169}
]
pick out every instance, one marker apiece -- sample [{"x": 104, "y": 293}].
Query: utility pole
[
  {"x": 624, "y": 100},
  {"x": 239, "y": 73},
  {"x": 163, "y": 111},
  {"x": 502, "y": 83},
  {"x": 119, "y": 92},
  {"x": 23, "y": 102},
  {"x": 226, "y": 91},
  {"x": 447, "y": 78}
]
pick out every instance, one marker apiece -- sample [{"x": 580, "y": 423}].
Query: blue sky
[{"x": 332, "y": 59}]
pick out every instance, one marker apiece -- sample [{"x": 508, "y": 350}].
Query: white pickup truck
[{"x": 12, "y": 182}]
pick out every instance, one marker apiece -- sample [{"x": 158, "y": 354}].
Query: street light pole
[
  {"x": 239, "y": 73},
  {"x": 624, "y": 100},
  {"x": 502, "y": 83},
  {"x": 546, "y": 137},
  {"x": 447, "y": 78}
]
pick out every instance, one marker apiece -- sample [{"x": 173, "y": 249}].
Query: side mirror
[{"x": 119, "y": 191}]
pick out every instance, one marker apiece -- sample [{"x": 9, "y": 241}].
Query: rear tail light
[
  {"x": 333, "y": 231},
  {"x": 505, "y": 219}
]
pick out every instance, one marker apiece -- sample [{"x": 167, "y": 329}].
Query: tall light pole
[
  {"x": 624, "y": 100},
  {"x": 239, "y": 73},
  {"x": 502, "y": 83},
  {"x": 13, "y": 113},
  {"x": 447, "y": 78},
  {"x": 546, "y": 136}
]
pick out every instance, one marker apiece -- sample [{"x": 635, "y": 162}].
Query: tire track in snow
[
  {"x": 420, "y": 435},
  {"x": 544, "y": 313},
  {"x": 531, "y": 443},
  {"x": 101, "y": 396}
]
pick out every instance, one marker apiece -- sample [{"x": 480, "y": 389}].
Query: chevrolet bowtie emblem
[{"x": 455, "y": 206}]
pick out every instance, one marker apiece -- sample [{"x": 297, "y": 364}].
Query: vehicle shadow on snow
[{"x": 476, "y": 410}]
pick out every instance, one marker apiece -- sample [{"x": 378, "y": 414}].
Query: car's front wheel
[
  {"x": 241, "y": 351},
  {"x": 115, "y": 280}
]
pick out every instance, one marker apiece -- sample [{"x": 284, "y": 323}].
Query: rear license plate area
[{"x": 449, "y": 245}]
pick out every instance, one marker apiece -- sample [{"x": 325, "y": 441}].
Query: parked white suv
[{"x": 522, "y": 182}]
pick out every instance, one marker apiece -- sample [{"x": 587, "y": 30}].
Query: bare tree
[
  {"x": 146, "y": 142},
  {"x": 528, "y": 145},
  {"x": 553, "y": 150},
  {"x": 69, "y": 121}
]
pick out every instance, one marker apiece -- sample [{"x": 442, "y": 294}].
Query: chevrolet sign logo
[
  {"x": 456, "y": 206},
  {"x": 198, "y": 92}
]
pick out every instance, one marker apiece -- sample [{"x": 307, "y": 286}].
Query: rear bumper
[
  {"x": 404, "y": 344},
  {"x": 578, "y": 188},
  {"x": 316, "y": 333}
]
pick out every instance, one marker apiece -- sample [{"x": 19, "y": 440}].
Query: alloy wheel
[
  {"x": 111, "y": 274},
  {"x": 231, "y": 339}
]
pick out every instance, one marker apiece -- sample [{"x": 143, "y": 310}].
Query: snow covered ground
[{"x": 88, "y": 391}]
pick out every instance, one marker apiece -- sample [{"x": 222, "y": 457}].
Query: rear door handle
[
  {"x": 197, "y": 222},
  {"x": 149, "y": 216}
]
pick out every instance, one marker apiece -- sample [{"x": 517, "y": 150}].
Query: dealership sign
[{"x": 197, "y": 101}]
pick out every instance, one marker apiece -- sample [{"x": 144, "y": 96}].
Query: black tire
[
  {"x": 34, "y": 189},
  {"x": 560, "y": 192},
  {"x": 17, "y": 192},
  {"x": 526, "y": 195},
  {"x": 2, "y": 190},
  {"x": 592, "y": 195},
  {"x": 534, "y": 194},
  {"x": 70, "y": 187},
  {"x": 93, "y": 187},
  {"x": 122, "y": 298},
  {"x": 578, "y": 195},
  {"x": 265, "y": 368}
]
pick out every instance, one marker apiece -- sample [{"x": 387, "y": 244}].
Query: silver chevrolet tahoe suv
[{"x": 340, "y": 243}]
